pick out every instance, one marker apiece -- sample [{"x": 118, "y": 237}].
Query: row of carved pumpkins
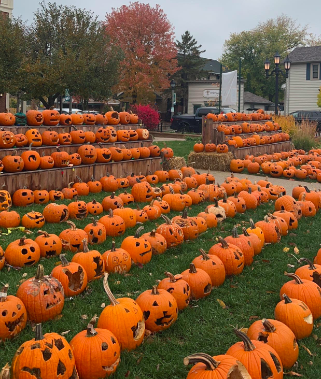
[
  {"x": 245, "y": 127},
  {"x": 196, "y": 278},
  {"x": 76, "y": 136},
  {"x": 87, "y": 154},
  {"x": 53, "y": 118},
  {"x": 259, "y": 115}
]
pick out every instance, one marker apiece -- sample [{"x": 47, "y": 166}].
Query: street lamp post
[
  {"x": 173, "y": 85},
  {"x": 277, "y": 71}
]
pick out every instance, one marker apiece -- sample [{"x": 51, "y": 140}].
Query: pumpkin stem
[
  {"x": 44, "y": 233},
  {"x": 138, "y": 231},
  {"x": 248, "y": 344},
  {"x": 210, "y": 363},
  {"x": 112, "y": 195},
  {"x": 3, "y": 293},
  {"x": 286, "y": 298},
  {"x": 223, "y": 242},
  {"x": 234, "y": 232},
  {"x": 297, "y": 279},
  {"x": 111, "y": 213},
  {"x": 310, "y": 263},
  {"x": 252, "y": 226},
  {"x": 155, "y": 290},
  {"x": 184, "y": 213},
  {"x": 245, "y": 232},
  {"x": 268, "y": 326},
  {"x": 167, "y": 220},
  {"x": 192, "y": 268},
  {"x": 40, "y": 272},
  {"x": 64, "y": 260},
  {"x": 94, "y": 220},
  {"x": 205, "y": 256},
  {"x": 110, "y": 295},
  {"x": 22, "y": 241},
  {"x": 91, "y": 332},
  {"x": 79, "y": 179},
  {"x": 72, "y": 225},
  {"x": 5, "y": 372},
  {"x": 70, "y": 184},
  {"x": 153, "y": 233},
  {"x": 113, "y": 246},
  {"x": 38, "y": 334},
  {"x": 170, "y": 276},
  {"x": 85, "y": 243}
]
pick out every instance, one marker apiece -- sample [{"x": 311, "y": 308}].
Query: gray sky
[{"x": 209, "y": 21}]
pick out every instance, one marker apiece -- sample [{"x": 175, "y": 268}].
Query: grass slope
[{"x": 204, "y": 326}]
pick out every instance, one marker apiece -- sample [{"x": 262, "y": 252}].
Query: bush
[
  {"x": 304, "y": 135},
  {"x": 286, "y": 123},
  {"x": 148, "y": 115}
]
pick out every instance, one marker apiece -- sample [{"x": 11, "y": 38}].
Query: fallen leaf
[
  {"x": 266, "y": 261},
  {"x": 222, "y": 304},
  {"x": 244, "y": 330},
  {"x": 290, "y": 266},
  {"x": 286, "y": 249},
  {"x": 231, "y": 286},
  {"x": 24, "y": 275},
  {"x": 296, "y": 250},
  {"x": 157, "y": 367},
  {"x": 84, "y": 317},
  {"x": 292, "y": 235},
  {"x": 270, "y": 291},
  {"x": 102, "y": 305},
  {"x": 306, "y": 349},
  {"x": 127, "y": 374},
  {"x": 315, "y": 337},
  {"x": 310, "y": 363},
  {"x": 253, "y": 318},
  {"x": 292, "y": 373},
  {"x": 64, "y": 333},
  {"x": 139, "y": 359}
]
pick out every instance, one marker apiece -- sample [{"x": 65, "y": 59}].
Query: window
[{"x": 315, "y": 71}]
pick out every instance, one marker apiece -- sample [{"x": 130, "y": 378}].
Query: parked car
[
  {"x": 193, "y": 122},
  {"x": 312, "y": 116},
  {"x": 66, "y": 110}
]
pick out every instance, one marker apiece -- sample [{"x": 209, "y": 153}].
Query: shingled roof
[
  {"x": 251, "y": 98},
  {"x": 305, "y": 54}
]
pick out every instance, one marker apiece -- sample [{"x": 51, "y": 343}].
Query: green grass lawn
[
  {"x": 204, "y": 326},
  {"x": 180, "y": 148}
]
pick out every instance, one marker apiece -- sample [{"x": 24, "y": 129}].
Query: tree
[
  {"x": 68, "y": 49},
  {"x": 12, "y": 51},
  {"x": 275, "y": 35},
  {"x": 319, "y": 98},
  {"x": 146, "y": 39},
  {"x": 190, "y": 63}
]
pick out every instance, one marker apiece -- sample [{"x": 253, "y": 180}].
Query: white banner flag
[{"x": 229, "y": 88}]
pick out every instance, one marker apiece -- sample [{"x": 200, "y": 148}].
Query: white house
[
  {"x": 6, "y": 7},
  {"x": 304, "y": 81}
]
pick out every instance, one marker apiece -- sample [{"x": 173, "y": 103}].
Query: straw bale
[
  {"x": 210, "y": 161},
  {"x": 175, "y": 163}
]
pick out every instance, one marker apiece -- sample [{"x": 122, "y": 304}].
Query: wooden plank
[
  {"x": 58, "y": 178},
  {"x": 241, "y": 152}
]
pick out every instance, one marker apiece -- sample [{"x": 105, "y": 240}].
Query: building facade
[
  {"x": 6, "y": 7},
  {"x": 304, "y": 81}
]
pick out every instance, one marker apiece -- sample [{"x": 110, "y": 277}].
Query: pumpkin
[
  {"x": 199, "y": 282},
  {"x": 296, "y": 315},
  {"x": 13, "y": 315},
  {"x": 103, "y": 135},
  {"x": 22, "y": 253},
  {"x": 127, "y": 214},
  {"x": 198, "y": 147},
  {"x": 41, "y": 196},
  {"x": 270, "y": 230},
  {"x": 157, "y": 242},
  {"x": 260, "y": 359},
  {"x": 91, "y": 261},
  {"x": 231, "y": 256},
  {"x": 256, "y": 230},
  {"x": 154, "y": 151},
  {"x": 178, "y": 288},
  {"x": 112, "y": 202},
  {"x": 277, "y": 335},
  {"x": 7, "y": 139},
  {"x": 50, "y": 244},
  {"x": 217, "y": 367},
  {"x": 95, "y": 208},
  {"x": 50, "y": 117},
  {"x": 49, "y": 355},
  {"x": 12, "y": 163},
  {"x": 9, "y": 219},
  {"x": 159, "y": 308},
  {"x": 96, "y": 232},
  {"x": 65, "y": 139},
  {"x": 81, "y": 187},
  {"x": 56, "y": 213},
  {"x": 188, "y": 225},
  {"x": 142, "y": 192},
  {"x": 212, "y": 265},
  {"x": 304, "y": 290},
  {"x": 43, "y": 296},
  {"x": 2, "y": 258},
  {"x": 167, "y": 152},
  {"x": 65, "y": 119},
  {"x": 103, "y": 155},
  {"x": 77, "y": 119},
  {"x": 21, "y": 140},
  {"x": 114, "y": 225},
  {"x": 245, "y": 245},
  {"x": 34, "y": 137},
  {"x": 101, "y": 119},
  {"x": 141, "y": 216},
  {"x": 33, "y": 220},
  {"x": 5, "y": 200},
  {"x": 112, "y": 117},
  {"x": 71, "y": 275},
  {"x": 138, "y": 247},
  {"x": 88, "y": 154},
  {"x": 117, "y": 260},
  {"x": 310, "y": 271},
  {"x": 124, "y": 318},
  {"x": 34, "y": 118},
  {"x": 217, "y": 210},
  {"x": 89, "y": 119},
  {"x": 172, "y": 233},
  {"x": 61, "y": 158},
  {"x": 72, "y": 238},
  {"x": 94, "y": 185},
  {"x": 96, "y": 352},
  {"x": 50, "y": 138}
]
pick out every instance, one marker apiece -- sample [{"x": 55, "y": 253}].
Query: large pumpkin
[{"x": 50, "y": 117}]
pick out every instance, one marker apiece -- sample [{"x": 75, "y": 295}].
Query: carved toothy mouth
[
  {"x": 112, "y": 367},
  {"x": 51, "y": 305},
  {"x": 51, "y": 253},
  {"x": 36, "y": 140},
  {"x": 56, "y": 197},
  {"x": 30, "y": 263},
  {"x": 76, "y": 246},
  {"x": 65, "y": 162},
  {"x": 138, "y": 330},
  {"x": 165, "y": 320},
  {"x": 11, "y": 325},
  {"x": 106, "y": 156},
  {"x": 94, "y": 240},
  {"x": 38, "y": 118},
  {"x": 81, "y": 214}
]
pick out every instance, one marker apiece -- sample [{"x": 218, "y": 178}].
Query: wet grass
[{"x": 204, "y": 326}]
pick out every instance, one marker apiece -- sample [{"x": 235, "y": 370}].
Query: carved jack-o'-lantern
[
  {"x": 43, "y": 296},
  {"x": 34, "y": 137},
  {"x": 23, "y": 197},
  {"x": 5, "y": 200},
  {"x": 7, "y": 139},
  {"x": 34, "y": 118},
  {"x": 33, "y": 220},
  {"x": 89, "y": 119},
  {"x": 22, "y": 253},
  {"x": 96, "y": 232},
  {"x": 65, "y": 139},
  {"x": 77, "y": 119},
  {"x": 78, "y": 136},
  {"x": 88, "y": 154},
  {"x": 13, "y": 315},
  {"x": 103, "y": 135},
  {"x": 117, "y": 260},
  {"x": 73, "y": 238},
  {"x": 51, "y": 117},
  {"x": 21, "y": 140},
  {"x": 12, "y": 163},
  {"x": 55, "y": 195},
  {"x": 50, "y": 138},
  {"x": 56, "y": 213},
  {"x": 7, "y": 119},
  {"x": 77, "y": 209}
]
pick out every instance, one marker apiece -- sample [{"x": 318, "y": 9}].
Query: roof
[
  {"x": 212, "y": 65},
  {"x": 305, "y": 54},
  {"x": 251, "y": 98}
]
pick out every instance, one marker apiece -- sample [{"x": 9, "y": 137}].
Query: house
[
  {"x": 304, "y": 81},
  {"x": 6, "y": 7},
  {"x": 252, "y": 102}
]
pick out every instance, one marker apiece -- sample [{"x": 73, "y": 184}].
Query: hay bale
[
  {"x": 175, "y": 163},
  {"x": 210, "y": 161}
]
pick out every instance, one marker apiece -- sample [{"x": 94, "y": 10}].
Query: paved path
[
  {"x": 159, "y": 139},
  {"x": 286, "y": 183}
]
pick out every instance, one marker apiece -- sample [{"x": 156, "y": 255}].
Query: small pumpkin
[
  {"x": 199, "y": 282},
  {"x": 138, "y": 247},
  {"x": 178, "y": 288},
  {"x": 117, "y": 260},
  {"x": 50, "y": 244}
]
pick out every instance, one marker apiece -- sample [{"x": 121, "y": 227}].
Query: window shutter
[{"x": 308, "y": 71}]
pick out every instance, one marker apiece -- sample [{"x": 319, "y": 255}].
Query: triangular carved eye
[
  {"x": 155, "y": 304},
  {"x": 266, "y": 372},
  {"x": 277, "y": 363}
]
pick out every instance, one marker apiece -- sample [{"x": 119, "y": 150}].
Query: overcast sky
[{"x": 209, "y": 21}]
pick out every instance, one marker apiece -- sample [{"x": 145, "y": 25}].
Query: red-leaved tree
[
  {"x": 148, "y": 115},
  {"x": 146, "y": 39}
]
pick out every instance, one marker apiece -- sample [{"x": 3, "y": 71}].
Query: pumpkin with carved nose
[
  {"x": 22, "y": 253},
  {"x": 13, "y": 315},
  {"x": 34, "y": 118},
  {"x": 50, "y": 244},
  {"x": 7, "y": 139},
  {"x": 42, "y": 295},
  {"x": 7, "y": 119},
  {"x": 51, "y": 117},
  {"x": 88, "y": 154},
  {"x": 34, "y": 137},
  {"x": 5, "y": 200},
  {"x": 71, "y": 275},
  {"x": 138, "y": 247},
  {"x": 33, "y": 220}
]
